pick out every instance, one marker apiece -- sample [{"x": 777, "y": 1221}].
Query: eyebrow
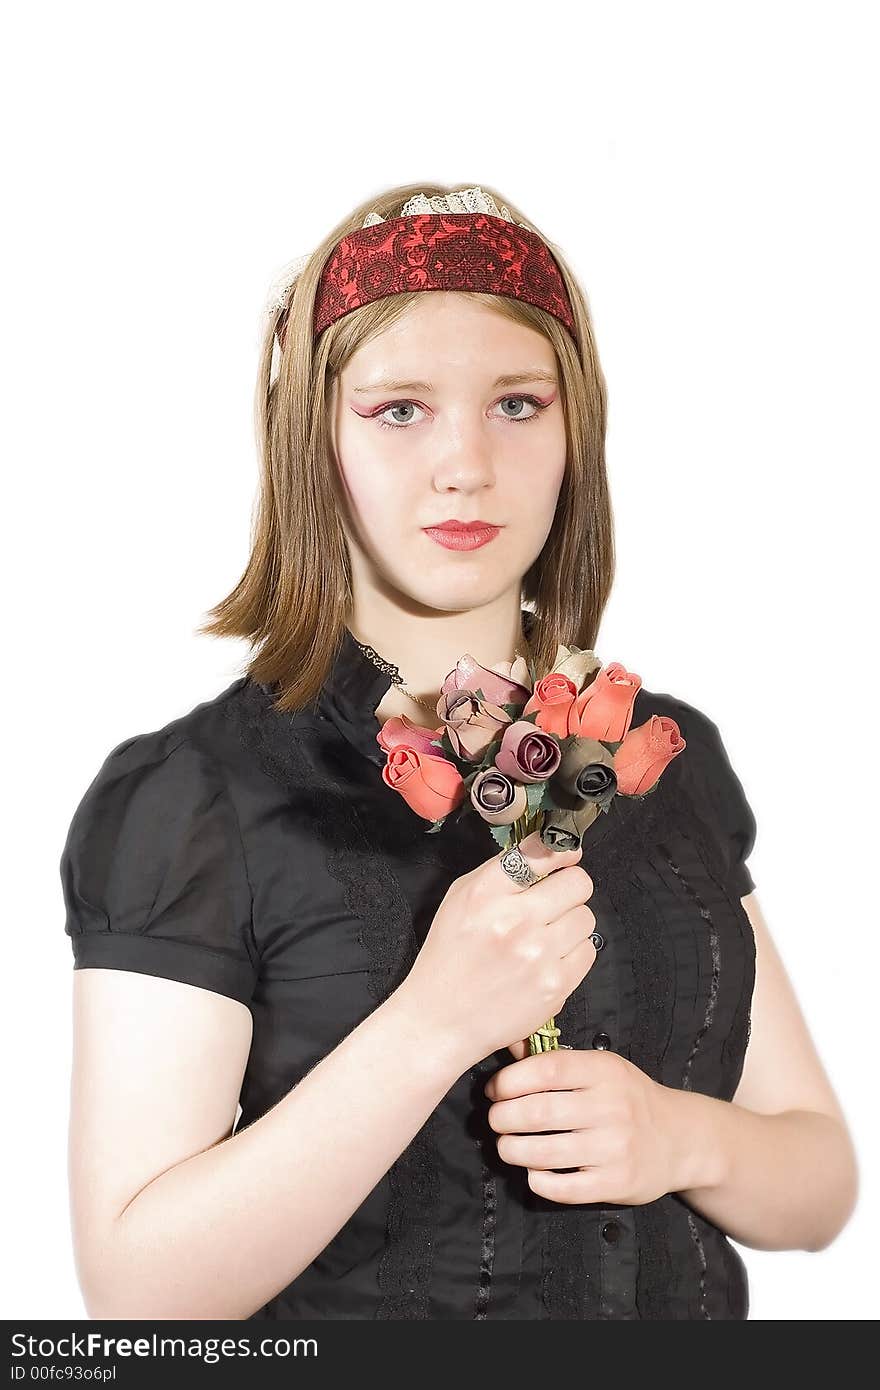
[{"x": 509, "y": 379}]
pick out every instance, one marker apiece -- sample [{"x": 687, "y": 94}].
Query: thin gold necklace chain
[{"x": 394, "y": 672}]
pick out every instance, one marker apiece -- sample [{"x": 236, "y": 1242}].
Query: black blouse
[{"x": 260, "y": 855}]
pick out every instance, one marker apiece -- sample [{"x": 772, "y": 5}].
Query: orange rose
[
  {"x": 552, "y": 697},
  {"x": 431, "y": 786},
  {"x": 604, "y": 709},
  {"x": 645, "y": 753}
]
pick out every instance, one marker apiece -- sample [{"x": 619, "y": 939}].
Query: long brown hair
[{"x": 294, "y": 598}]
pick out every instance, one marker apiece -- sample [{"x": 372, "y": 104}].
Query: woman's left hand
[{"x": 618, "y": 1129}]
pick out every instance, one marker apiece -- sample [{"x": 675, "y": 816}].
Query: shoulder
[
  {"x": 707, "y": 779},
  {"x": 693, "y": 722},
  {"x": 704, "y": 754},
  {"x": 157, "y": 797},
  {"x": 153, "y": 868},
  {"x": 191, "y": 747}
]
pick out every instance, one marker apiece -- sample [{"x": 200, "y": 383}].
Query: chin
[{"x": 464, "y": 596}]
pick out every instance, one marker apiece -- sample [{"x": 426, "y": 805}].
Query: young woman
[{"x": 258, "y": 919}]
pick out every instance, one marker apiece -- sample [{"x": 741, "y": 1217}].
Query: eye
[
  {"x": 398, "y": 405},
  {"x": 519, "y": 401}
]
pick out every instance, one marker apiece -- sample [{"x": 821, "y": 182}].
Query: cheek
[
  {"x": 375, "y": 496},
  {"x": 373, "y": 517},
  {"x": 546, "y": 472}
]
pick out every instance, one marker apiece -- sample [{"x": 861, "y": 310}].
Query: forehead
[{"x": 442, "y": 330}]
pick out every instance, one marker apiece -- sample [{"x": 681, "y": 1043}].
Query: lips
[
  {"x": 469, "y": 537},
  {"x": 463, "y": 526}
]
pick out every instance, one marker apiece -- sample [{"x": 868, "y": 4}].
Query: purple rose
[{"x": 527, "y": 753}]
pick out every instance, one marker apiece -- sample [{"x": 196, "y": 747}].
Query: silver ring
[{"x": 517, "y": 868}]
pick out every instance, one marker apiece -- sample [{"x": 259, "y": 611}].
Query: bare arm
[
  {"x": 175, "y": 1217},
  {"x": 774, "y": 1168}
]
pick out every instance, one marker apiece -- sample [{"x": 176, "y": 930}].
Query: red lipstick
[{"x": 462, "y": 535}]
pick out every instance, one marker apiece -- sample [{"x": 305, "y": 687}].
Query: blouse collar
[{"x": 354, "y": 687}]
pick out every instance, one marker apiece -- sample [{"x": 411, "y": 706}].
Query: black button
[
  {"x": 611, "y": 1232},
  {"x": 602, "y": 1041},
  {"x": 598, "y": 940}
]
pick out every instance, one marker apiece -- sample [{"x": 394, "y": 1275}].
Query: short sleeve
[
  {"x": 721, "y": 797},
  {"x": 153, "y": 872}
]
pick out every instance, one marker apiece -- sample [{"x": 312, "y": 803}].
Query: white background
[{"x": 710, "y": 172}]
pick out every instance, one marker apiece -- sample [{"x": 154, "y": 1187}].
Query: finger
[
  {"x": 586, "y": 1185},
  {"x": 569, "y": 1149},
  {"x": 557, "y": 1070},
  {"x": 577, "y": 964},
  {"x": 573, "y": 929},
  {"x": 519, "y": 1049},
  {"x": 541, "y": 1113},
  {"x": 541, "y": 859}
]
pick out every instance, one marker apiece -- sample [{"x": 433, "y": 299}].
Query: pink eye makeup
[{"x": 536, "y": 402}]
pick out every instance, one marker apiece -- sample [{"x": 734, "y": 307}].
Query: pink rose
[
  {"x": 401, "y": 730},
  {"x": 527, "y": 754},
  {"x": 497, "y": 689},
  {"x": 471, "y": 724},
  {"x": 499, "y": 799}
]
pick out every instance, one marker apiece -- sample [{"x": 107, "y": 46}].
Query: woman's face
[{"x": 458, "y": 445}]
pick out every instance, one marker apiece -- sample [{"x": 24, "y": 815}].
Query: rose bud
[
  {"x": 604, "y": 709},
  {"x": 574, "y": 670},
  {"x": 563, "y": 830},
  {"x": 468, "y": 674},
  {"x": 499, "y": 799},
  {"x": 645, "y": 753},
  {"x": 527, "y": 753},
  {"x": 552, "y": 700},
  {"x": 515, "y": 671},
  {"x": 471, "y": 724},
  {"x": 400, "y": 729},
  {"x": 579, "y": 664},
  {"x": 431, "y": 786},
  {"x": 587, "y": 771}
]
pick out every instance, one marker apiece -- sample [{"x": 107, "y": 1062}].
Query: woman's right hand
[{"x": 500, "y": 959}]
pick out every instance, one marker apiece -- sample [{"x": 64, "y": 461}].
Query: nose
[{"x": 465, "y": 460}]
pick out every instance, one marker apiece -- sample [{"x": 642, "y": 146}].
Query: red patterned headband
[{"x": 439, "y": 251}]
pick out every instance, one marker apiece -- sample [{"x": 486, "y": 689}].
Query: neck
[{"x": 425, "y": 645}]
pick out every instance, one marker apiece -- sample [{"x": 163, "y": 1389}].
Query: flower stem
[{"x": 546, "y": 1038}]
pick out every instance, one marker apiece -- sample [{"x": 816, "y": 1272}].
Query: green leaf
[
  {"x": 447, "y": 745},
  {"x": 501, "y": 834},
  {"x": 515, "y": 712},
  {"x": 535, "y": 796}
]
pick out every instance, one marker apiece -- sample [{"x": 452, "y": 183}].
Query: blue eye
[{"x": 514, "y": 420}]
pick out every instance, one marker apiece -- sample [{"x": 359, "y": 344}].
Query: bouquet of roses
[{"x": 528, "y": 754}]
